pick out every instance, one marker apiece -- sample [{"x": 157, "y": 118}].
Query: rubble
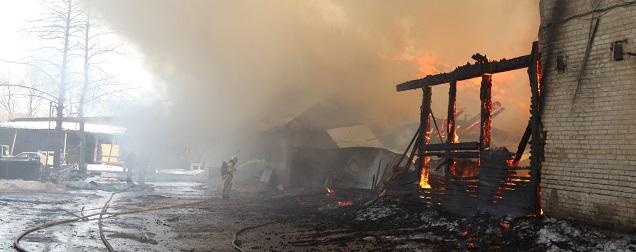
[{"x": 399, "y": 224}]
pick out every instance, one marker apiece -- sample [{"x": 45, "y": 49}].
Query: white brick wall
[{"x": 589, "y": 171}]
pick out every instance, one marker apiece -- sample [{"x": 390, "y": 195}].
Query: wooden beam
[
  {"x": 486, "y": 109},
  {"x": 452, "y": 146},
  {"x": 536, "y": 146},
  {"x": 452, "y": 155},
  {"x": 451, "y": 126},
  {"x": 452, "y": 108},
  {"x": 15, "y": 136},
  {"x": 425, "y": 131},
  {"x": 522, "y": 144},
  {"x": 468, "y": 71}
]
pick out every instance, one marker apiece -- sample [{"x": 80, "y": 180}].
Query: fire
[
  {"x": 330, "y": 191},
  {"x": 427, "y": 64},
  {"x": 424, "y": 174},
  {"x": 541, "y": 212}
]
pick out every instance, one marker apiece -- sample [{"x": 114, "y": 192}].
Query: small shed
[{"x": 39, "y": 135}]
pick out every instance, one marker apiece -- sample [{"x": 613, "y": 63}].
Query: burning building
[
  {"x": 588, "y": 116},
  {"x": 581, "y": 74}
]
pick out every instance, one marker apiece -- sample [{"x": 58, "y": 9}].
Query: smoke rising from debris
[{"x": 231, "y": 65}]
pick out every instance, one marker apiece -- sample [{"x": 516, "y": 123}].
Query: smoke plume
[{"x": 233, "y": 65}]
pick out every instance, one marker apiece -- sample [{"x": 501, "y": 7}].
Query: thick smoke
[{"x": 234, "y": 65}]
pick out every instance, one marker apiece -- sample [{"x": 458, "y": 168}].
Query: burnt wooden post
[
  {"x": 536, "y": 146},
  {"x": 425, "y": 132},
  {"x": 522, "y": 144},
  {"x": 452, "y": 108},
  {"x": 486, "y": 107},
  {"x": 450, "y": 122}
]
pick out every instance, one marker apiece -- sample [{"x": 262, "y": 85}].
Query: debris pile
[{"x": 400, "y": 224}]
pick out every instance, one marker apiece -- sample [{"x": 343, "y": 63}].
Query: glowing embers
[
  {"x": 344, "y": 203},
  {"x": 464, "y": 168},
  {"x": 516, "y": 179},
  {"x": 470, "y": 186},
  {"x": 346, "y": 197}
]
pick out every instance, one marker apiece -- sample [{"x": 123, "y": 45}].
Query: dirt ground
[{"x": 301, "y": 220}]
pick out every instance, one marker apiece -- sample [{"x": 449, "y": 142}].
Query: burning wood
[{"x": 330, "y": 191}]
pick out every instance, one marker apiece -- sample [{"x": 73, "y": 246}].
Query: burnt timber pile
[{"x": 468, "y": 178}]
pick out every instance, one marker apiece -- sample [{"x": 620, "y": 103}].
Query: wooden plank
[
  {"x": 452, "y": 146},
  {"x": 467, "y": 71}
]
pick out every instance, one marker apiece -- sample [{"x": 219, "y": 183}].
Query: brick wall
[{"x": 589, "y": 170}]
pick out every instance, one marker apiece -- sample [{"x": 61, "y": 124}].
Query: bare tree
[
  {"x": 59, "y": 26},
  {"x": 92, "y": 48},
  {"x": 7, "y": 100},
  {"x": 34, "y": 101},
  {"x": 22, "y": 99}
]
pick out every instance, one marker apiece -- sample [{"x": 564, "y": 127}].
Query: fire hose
[
  {"x": 234, "y": 238},
  {"x": 16, "y": 242},
  {"x": 101, "y": 226}
]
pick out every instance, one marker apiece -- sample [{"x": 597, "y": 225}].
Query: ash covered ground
[{"x": 300, "y": 220}]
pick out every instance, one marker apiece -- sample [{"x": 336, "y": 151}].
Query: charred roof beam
[{"x": 468, "y": 71}]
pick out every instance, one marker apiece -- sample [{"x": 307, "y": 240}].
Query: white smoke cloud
[{"x": 231, "y": 65}]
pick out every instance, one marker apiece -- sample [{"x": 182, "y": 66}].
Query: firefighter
[
  {"x": 130, "y": 165},
  {"x": 227, "y": 171}
]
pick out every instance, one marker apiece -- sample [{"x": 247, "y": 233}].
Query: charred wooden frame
[{"x": 484, "y": 69}]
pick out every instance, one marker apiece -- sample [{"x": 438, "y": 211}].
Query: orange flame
[
  {"x": 427, "y": 64},
  {"x": 330, "y": 191},
  {"x": 424, "y": 174}
]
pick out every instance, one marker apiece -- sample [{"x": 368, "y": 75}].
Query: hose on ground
[
  {"x": 101, "y": 225},
  {"x": 16, "y": 242},
  {"x": 234, "y": 239}
]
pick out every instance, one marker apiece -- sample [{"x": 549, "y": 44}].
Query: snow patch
[
  {"x": 104, "y": 168},
  {"x": 180, "y": 172},
  {"x": 11, "y": 185}
]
